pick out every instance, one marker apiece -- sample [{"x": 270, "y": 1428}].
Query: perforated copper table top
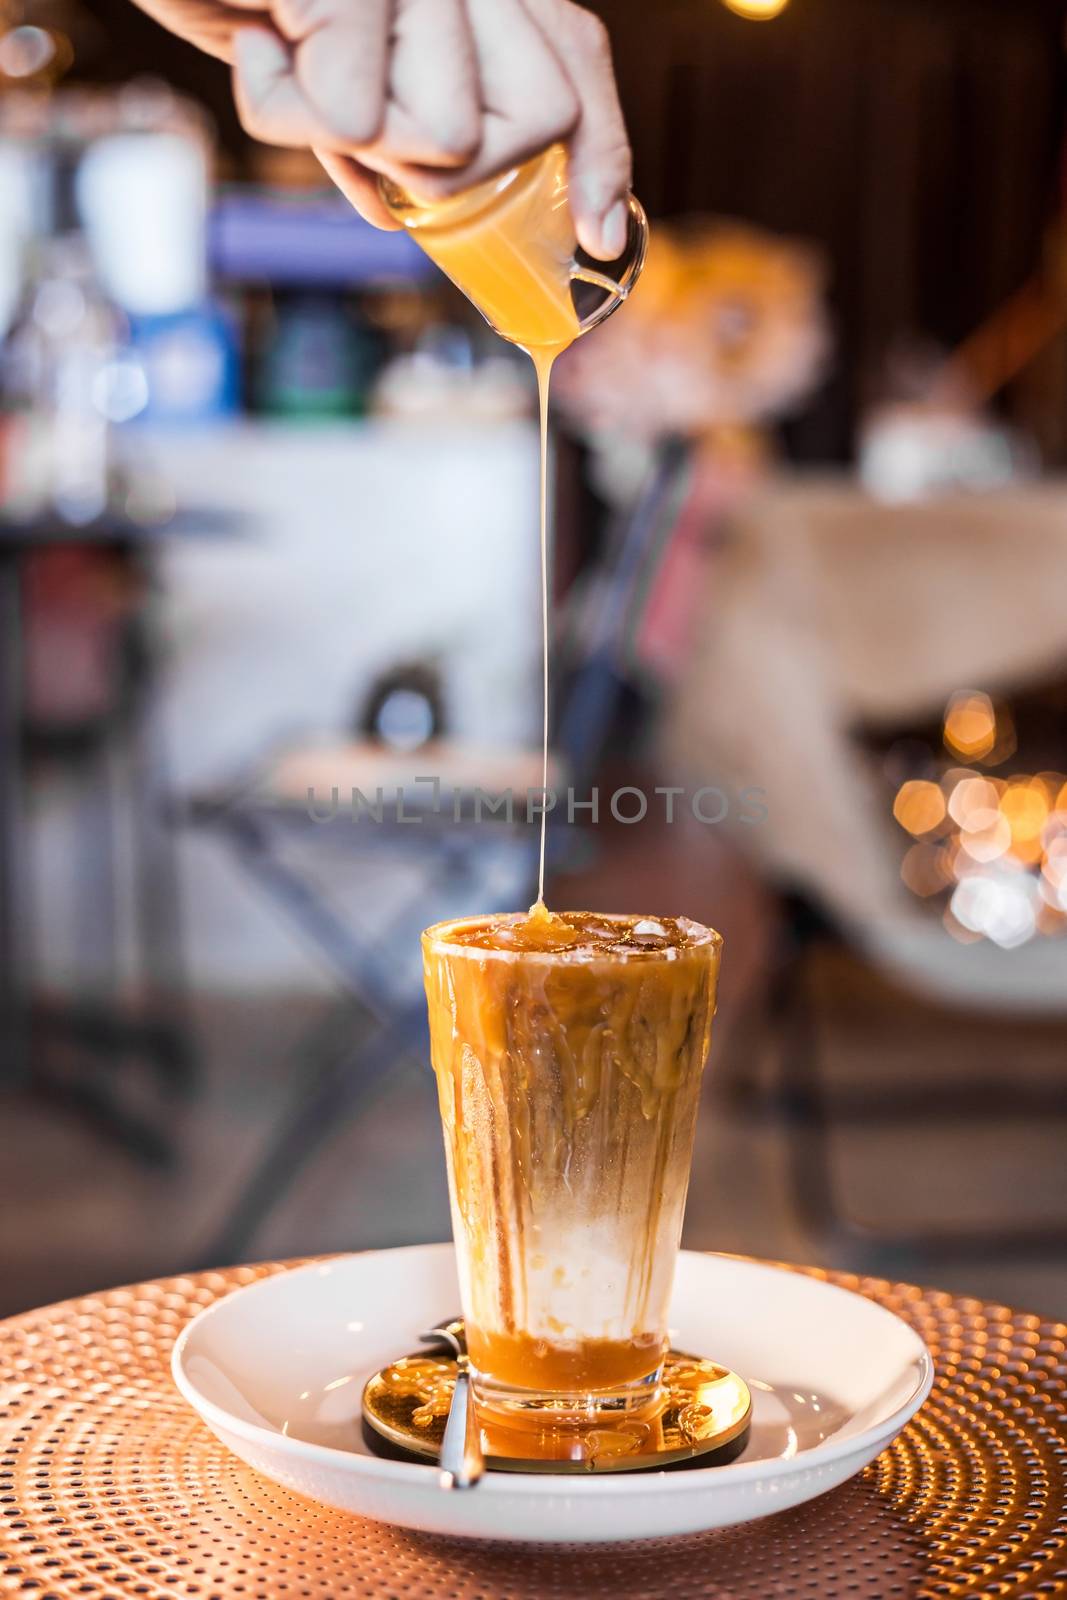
[{"x": 110, "y": 1485}]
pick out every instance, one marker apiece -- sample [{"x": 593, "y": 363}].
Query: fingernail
[{"x": 613, "y": 231}]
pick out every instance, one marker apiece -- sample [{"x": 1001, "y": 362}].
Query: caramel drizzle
[{"x": 568, "y": 1087}]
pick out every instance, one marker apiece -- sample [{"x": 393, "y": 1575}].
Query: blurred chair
[
  {"x": 88, "y": 716},
  {"x": 359, "y": 884},
  {"x": 829, "y": 613}
]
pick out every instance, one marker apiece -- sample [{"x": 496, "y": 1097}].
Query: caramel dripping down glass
[{"x": 569, "y": 1051}]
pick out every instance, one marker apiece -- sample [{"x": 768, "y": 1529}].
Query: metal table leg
[
  {"x": 14, "y": 1062},
  {"x": 343, "y": 1084}
]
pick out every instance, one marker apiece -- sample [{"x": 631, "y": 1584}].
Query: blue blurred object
[
  {"x": 310, "y": 240},
  {"x": 190, "y": 362},
  {"x": 320, "y": 359}
]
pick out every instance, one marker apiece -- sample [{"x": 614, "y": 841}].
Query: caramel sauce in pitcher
[{"x": 508, "y": 245}]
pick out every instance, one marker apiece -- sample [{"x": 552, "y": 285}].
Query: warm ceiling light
[{"x": 756, "y": 10}]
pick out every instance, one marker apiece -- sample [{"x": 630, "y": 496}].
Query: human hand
[{"x": 435, "y": 94}]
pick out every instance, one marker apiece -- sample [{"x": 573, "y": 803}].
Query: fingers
[
  {"x": 434, "y": 113},
  {"x": 321, "y": 76},
  {"x": 270, "y": 102},
  {"x": 340, "y": 62},
  {"x": 527, "y": 100},
  {"x": 440, "y": 95},
  {"x": 600, "y": 161},
  {"x": 359, "y": 186},
  {"x": 361, "y": 75},
  {"x": 546, "y": 74}
]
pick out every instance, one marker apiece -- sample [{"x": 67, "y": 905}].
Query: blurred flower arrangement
[
  {"x": 993, "y": 850},
  {"x": 726, "y": 331}
]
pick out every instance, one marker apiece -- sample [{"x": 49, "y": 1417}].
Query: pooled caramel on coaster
[{"x": 542, "y": 932}]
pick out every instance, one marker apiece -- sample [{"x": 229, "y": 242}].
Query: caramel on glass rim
[{"x": 683, "y": 935}]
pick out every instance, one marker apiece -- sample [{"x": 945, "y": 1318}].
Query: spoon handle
[{"x": 462, "y": 1464}]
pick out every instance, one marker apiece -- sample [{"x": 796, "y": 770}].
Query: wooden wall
[{"x": 916, "y": 140}]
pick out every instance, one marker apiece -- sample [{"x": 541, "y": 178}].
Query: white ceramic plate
[{"x": 277, "y": 1369}]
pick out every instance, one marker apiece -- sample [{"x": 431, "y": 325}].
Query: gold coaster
[{"x": 704, "y": 1413}]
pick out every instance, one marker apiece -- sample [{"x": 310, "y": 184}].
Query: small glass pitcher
[{"x": 509, "y": 244}]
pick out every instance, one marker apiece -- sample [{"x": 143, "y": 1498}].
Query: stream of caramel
[
  {"x": 568, "y": 1048},
  {"x": 509, "y": 245},
  {"x": 542, "y": 358}
]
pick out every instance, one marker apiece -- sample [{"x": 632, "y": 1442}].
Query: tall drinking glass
[{"x": 568, "y": 1051}]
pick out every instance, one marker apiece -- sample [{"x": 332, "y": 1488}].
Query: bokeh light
[
  {"x": 1000, "y": 906},
  {"x": 756, "y": 10},
  {"x": 1054, "y": 867},
  {"x": 1025, "y": 806},
  {"x": 26, "y": 51},
  {"x": 973, "y": 802},
  {"x": 970, "y": 727},
  {"x": 996, "y": 846},
  {"x": 988, "y": 842},
  {"x": 927, "y": 869},
  {"x": 919, "y": 806}
]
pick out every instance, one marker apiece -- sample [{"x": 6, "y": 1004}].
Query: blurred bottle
[
  {"x": 61, "y": 380},
  {"x": 447, "y": 377},
  {"x": 320, "y": 358},
  {"x": 191, "y": 364}
]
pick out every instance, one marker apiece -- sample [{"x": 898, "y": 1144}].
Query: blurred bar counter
[{"x": 352, "y": 549}]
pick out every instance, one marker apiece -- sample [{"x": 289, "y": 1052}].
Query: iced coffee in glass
[{"x": 568, "y": 1050}]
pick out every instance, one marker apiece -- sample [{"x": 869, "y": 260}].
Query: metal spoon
[{"x": 462, "y": 1463}]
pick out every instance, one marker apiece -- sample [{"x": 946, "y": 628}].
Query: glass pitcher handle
[{"x": 615, "y": 278}]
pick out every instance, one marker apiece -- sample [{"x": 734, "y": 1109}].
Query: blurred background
[{"x": 268, "y": 536}]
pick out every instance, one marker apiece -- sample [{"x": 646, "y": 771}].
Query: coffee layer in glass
[{"x": 568, "y": 1051}]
